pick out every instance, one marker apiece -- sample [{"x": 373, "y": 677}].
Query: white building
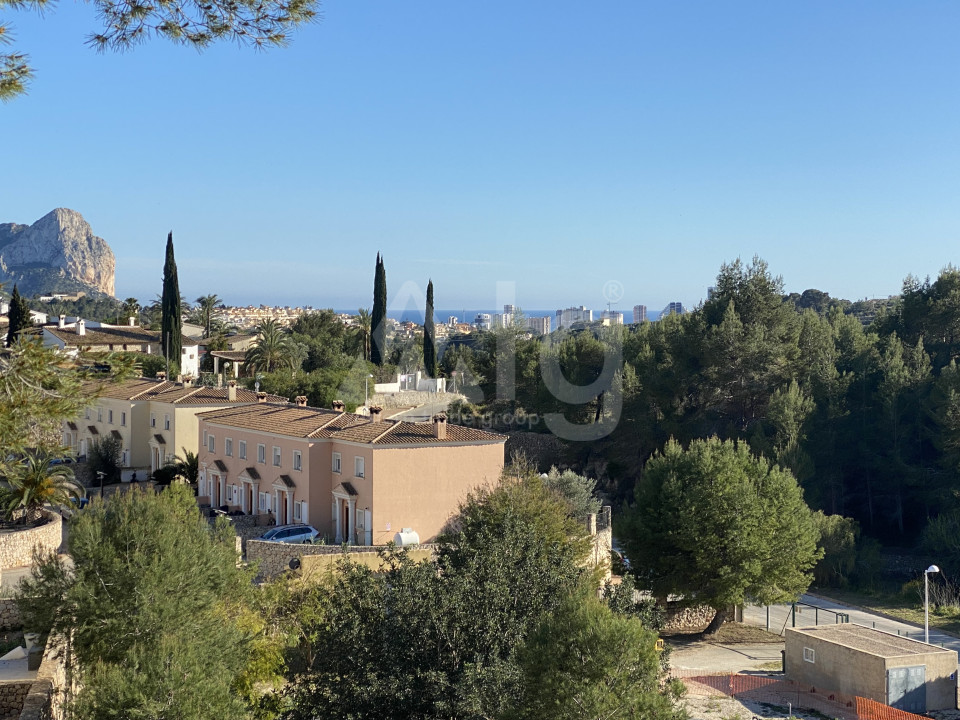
[
  {"x": 639, "y": 313},
  {"x": 539, "y": 325},
  {"x": 612, "y": 317},
  {"x": 571, "y": 315}
]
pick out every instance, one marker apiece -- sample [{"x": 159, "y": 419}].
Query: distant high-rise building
[
  {"x": 539, "y": 325},
  {"x": 613, "y": 317},
  {"x": 571, "y": 315},
  {"x": 503, "y": 320},
  {"x": 483, "y": 321},
  {"x": 509, "y": 310},
  {"x": 452, "y": 321},
  {"x": 639, "y": 313},
  {"x": 674, "y": 307}
]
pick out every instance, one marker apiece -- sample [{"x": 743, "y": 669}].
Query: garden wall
[
  {"x": 274, "y": 558},
  {"x": 47, "y": 695},
  {"x": 12, "y": 696},
  {"x": 16, "y": 546},
  {"x": 9, "y": 614}
]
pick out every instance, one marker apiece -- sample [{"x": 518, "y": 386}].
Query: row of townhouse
[
  {"x": 357, "y": 479},
  {"x": 154, "y": 419}
]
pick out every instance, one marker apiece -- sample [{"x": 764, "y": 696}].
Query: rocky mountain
[{"x": 58, "y": 253}]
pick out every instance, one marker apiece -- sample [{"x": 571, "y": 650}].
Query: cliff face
[{"x": 59, "y": 252}]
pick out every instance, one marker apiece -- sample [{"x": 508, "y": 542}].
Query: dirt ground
[{"x": 736, "y": 648}]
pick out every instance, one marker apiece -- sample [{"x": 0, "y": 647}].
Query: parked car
[{"x": 290, "y": 534}]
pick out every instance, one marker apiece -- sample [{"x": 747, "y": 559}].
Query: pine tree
[
  {"x": 170, "y": 339},
  {"x": 429, "y": 336},
  {"x": 19, "y": 316},
  {"x": 378, "y": 320}
]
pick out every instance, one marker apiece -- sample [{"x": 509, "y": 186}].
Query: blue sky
[{"x": 557, "y": 146}]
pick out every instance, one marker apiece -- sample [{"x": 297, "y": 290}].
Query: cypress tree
[
  {"x": 378, "y": 318},
  {"x": 429, "y": 336},
  {"x": 170, "y": 340},
  {"x": 19, "y": 316}
]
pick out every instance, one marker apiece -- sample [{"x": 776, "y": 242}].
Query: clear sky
[{"x": 559, "y": 145}]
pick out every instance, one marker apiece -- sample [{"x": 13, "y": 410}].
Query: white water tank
[{"x": 406, "y": 537}]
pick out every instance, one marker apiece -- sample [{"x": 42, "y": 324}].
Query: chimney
[
  {"x": 81, "y": 327},
  {"x": 440, "y": 426},
  {"x": 161, "y": 375},
  {"x": 262, "y": 397},
  {"x": 301, "y": 400},
  {"x": 132, "y": 321},
  {"x": 62, "y": 322},
  {"x": 232, "y": 391},
  {"x": 375, "y": 412},
  {"x": 188, "y": 380},
  {"x": 339, "y": 406}
]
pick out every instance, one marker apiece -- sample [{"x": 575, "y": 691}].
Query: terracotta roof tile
[
  {"x": 307, "y": 422},
  {"x": 105, "y": 336}
]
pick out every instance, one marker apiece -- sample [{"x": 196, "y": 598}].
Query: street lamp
[
  {"x": 926, "y": 601},
  {"x": 100, "y": 475},
  {"x": 366, "y": 390}
]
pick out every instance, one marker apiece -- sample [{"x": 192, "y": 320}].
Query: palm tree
[
  {"x": 187, "y": 466},
  {"x": 273, "y": 349},
  {"x": 363, "y": 321},
  {"x": 206, "y": 305},
  {"x": 131, "y": 309},
  {"x": 34, "y": 482}
]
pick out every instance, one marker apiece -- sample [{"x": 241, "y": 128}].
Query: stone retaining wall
[
  {"x": 694, "y": 619},
  {"x": 47, "y": 695},
  {"x": 16, "y": 546},
  {"x": 9, "y": 615},
  {"x": 409, "y": 398},
  {"x": 274, "y": 558},
  {"x": 12, "y": 696}
]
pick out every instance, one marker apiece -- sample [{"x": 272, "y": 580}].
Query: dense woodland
[{"x": 866, "y": 417}]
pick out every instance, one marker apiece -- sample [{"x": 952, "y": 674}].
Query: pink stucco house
[{"x": 357, "y": 479}]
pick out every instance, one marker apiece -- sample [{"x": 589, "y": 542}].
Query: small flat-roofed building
[{"x": 857, "y": 660}]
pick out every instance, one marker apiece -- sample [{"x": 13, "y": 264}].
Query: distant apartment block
[
  {"x": 674, "y": 308},
  {"x": 503, "y": 320},
  {"x": 611, "y": 317},
  {"x": 571, "y": 315},
  {"x": 639, "y": 313},
  {"x": 539, "y": 325},
  {"x": 483, "y": 321},
  {"x": 509, "y": 310}
]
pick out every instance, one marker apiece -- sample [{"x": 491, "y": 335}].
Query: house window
[
  {"x": 336, "y": 463},
  {"x": 110, "y": 416},
  {"x": 276, "y": 456},
  {"x": 229, "y": 494},
  {"x": 123, "y": 460},
  {"x": 243, "y": 449},
  {"x": 360, "y": 519},
  {"x": 153, "y": 419},
  {"x": 228, "y": 447},
  {"x": 211, "y": 443},
  {"x": 264, "y": 501},
  {"x": 261, "y": 454},
  {"x": 298, "y": 511},
  {"x": 99, "y": 414},
  {"x": 297, "y": 460},
  {"x": 808, "y": 655},
  {"x": 358, "y": 466},
  {"x": 123, "y": 418},
  {"x": 166, "y": 422}
]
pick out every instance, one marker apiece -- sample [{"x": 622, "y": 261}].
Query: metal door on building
[{"x": 907, "y": 688}]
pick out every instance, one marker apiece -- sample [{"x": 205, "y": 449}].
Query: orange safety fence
[{"x": 782, "y": 692}]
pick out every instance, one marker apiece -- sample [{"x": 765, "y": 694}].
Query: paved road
[{"x": 781, "y": 616}]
